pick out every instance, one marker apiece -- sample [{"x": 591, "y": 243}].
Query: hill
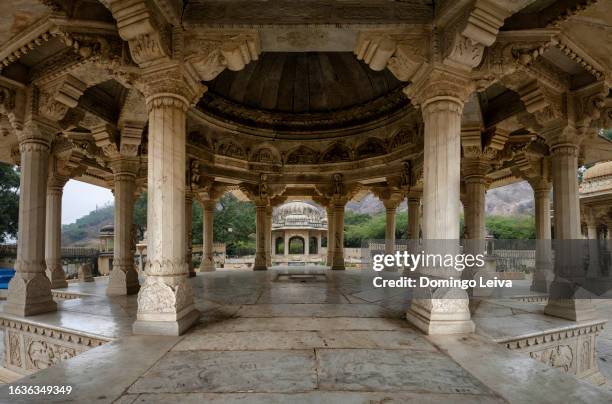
[{"x": 84, "y": 231}]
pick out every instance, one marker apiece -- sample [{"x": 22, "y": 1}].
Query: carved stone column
[
  {"x": 268, "y": 236},
  {"x": 29, "y": 291},
  {"x": 208, "y": 215},
  {"x": 441, "y": 310},
  {"x": 260, "y": 236},
  {"x": 330, "y": 234},
  {"x": 286, "y": 244},
  {"x": 476, "y": 186},
  {"x": 591, "y": 229},
  {"x": 165, "y": 300},
  {"x": 123, "y": 278},
  {"x": 53, "y": 230},
  {"x": 189, "y": 232},
  {"x": 543, "y": 271},
  {"x": 414, "y": 217},
  {"x": 390, "y": 222},
  {"x": 563, "y": 301},
  {"x": 337, "y": 262}
]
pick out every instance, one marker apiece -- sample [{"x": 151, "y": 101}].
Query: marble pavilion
[{"x": 429, "y": 102}]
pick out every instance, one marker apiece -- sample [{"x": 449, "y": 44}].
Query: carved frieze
[{"x": 31, "y": 347}]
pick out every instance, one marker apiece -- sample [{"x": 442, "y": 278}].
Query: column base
[
  {"x": 260, "y": 267},
  {"x": 338, "y": 264},
  {"x": 206, "y": 268},
  {"x": 172, "y": 328},
  {"x": 564, "y": 303},
  {"x": 443, "y": 311},
  {"x": 28, "y": 297},
  {"x": 571, "y": 309},
  {"x": 59, "y": 283},
  {"x": 122, "y": 283},
  {"x": 57, "y": 277}
]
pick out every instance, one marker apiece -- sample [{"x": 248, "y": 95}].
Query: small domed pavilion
[
  {"x": 596, "y": 200},
  {"x": 298, "y": 229}
]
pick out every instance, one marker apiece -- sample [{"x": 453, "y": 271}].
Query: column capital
[
  {"x": 475, "y": 170},
  {"x": 568, "y": 148},
  {"x": 125, "y": 166},
  {"x": 171, "y": 86},
  {"x": 56, "y": 182},
  {"x": 37, "y": 131},
  {"x": 208, "y": 204},
  {"x": 442, "y": 89}
]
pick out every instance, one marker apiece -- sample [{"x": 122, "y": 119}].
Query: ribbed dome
[
  {"x": 598, "y": 170},
  {"x": 298, "y": 214}
]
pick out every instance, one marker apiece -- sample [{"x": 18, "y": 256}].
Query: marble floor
[{"x": 270, "y": 337}]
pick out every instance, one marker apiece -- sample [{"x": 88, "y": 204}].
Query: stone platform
[{"x": 269, "y": 338}]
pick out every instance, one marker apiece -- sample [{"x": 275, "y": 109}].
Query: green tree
[
  {"x": 511, "y": 227},
  {"x": 9, "y": 200}
]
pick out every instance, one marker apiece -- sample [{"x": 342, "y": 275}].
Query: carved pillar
[
  {"x": 441, "y": 310},
  {"x": 165, "y": 301},
  {"x": 563, "y": 300},
  {"x": 268, "y": 236},
  {"x": 390, "y": 216},
  {"x": 189, "y": 232},
  {"x": 208, "y": 213},
  {"x": 330, "y": 234},
  {"x": 414, "y": 218},
  {"x": 565, "y": 191},
  {"x": 53, "y": 230},
  {"x": 123, "y": 278},
  {"x": 442, "y": 162},
  {"x": 286, "y": 241},
  {"x": 260, "y": 236},
  {"x": 337, "y": 262},
  {"x": 307, "y": 244},
  {"x": 476, "y": 187},
  {"x": 29, "y": 291},
  {"x": 543, "y": 270}
]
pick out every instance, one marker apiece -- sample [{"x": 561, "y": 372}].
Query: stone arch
[
  {"x": 313, "y": 245},
  {"x": 297, "y": 245},
  {"x": 371, "y": 147},
  {"x": 405, "y": 135},
  {"x": 302, "y": 155},
  {"x": 336, "y": 152},
  {"x": 231, "y": 149},
  {"x": 279, "y": 245},
  {"x": 265, "y": 154}
]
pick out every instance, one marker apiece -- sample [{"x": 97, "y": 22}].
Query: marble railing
[
  {"x": 30, "y": 346},
  {"x": 571, "y": 348}
]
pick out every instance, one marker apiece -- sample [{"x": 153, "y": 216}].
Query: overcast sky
[{"x": 80, "y": 198}]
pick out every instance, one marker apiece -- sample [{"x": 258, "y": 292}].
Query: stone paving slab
[
  {"x": 251, "y": 341},
  {"x": 230, "y": 371},
  {"x": 302, "y": 324},
  {"x": 394, "y": 370},
  {"x": 314, "y": 397},
  {"x": 282, "y": 340},
  {"x": 314, "y": 310},
  {"x": 300, "y": 295}
]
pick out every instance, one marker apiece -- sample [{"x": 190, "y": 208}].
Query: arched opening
[
  {"x": 296, "y": 245},
  {"x": 313, "y": 246},
  {"x": 279, "y": 246}
]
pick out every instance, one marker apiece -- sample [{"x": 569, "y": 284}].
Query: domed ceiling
[{"x": 304, "y": 91}]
